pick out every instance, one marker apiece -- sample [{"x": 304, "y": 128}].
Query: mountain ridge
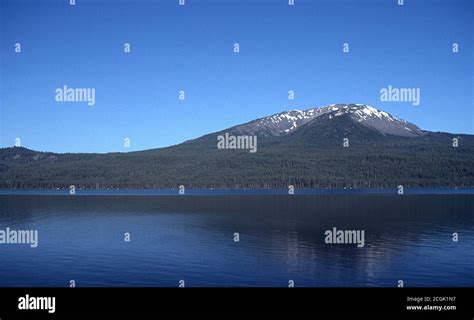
[
  {"x": 341, "y": 145},
  {"x": 365, "y": 114}
]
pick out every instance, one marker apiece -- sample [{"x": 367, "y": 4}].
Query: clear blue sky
[{"x": 191, "y": 48}]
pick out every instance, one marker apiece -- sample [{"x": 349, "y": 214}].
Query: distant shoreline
[{"x": 237, "y": 192}]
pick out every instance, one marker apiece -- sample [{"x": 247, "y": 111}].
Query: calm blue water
[{"x": 191, "y": 238}]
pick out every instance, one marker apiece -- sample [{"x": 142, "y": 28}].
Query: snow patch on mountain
[{"x": 288, "y": 121}]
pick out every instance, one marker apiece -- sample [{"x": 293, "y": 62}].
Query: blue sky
[{"x": 190, "y": 48}]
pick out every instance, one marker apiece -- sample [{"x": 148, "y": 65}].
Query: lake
[{"x": 280, "y": 238}]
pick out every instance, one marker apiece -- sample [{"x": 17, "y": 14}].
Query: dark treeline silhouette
[{"x": 310, "y": 158}]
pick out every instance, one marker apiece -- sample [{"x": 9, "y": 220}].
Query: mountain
[
  {"x": 337, "y": 146},
  {"x": 289, "y": 121}
]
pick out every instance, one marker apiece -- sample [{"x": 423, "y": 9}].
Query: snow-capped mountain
[
  {"x": 289, "y": 121},
  {"x": 305, "y": 148}
]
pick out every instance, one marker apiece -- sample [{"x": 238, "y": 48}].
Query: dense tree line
[{"x": 306, "y": 159}]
